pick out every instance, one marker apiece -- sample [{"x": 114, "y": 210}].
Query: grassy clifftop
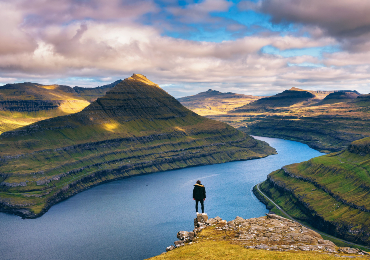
[
  {"x": 135, "y": 128},
  {"x": 331, "y": 192}
]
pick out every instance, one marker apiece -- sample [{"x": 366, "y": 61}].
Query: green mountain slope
[
  {"x": 331, "y": 192},
  {"x": 22, "y": 104},
  {"x": 25, "y": 103},
  {"x": 135, "y": 128},
  {"x": 285, "y": 99}
]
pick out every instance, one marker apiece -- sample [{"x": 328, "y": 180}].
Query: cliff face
[
  {"x": 135, "y": 128},
  {"x": 331, "y": 192}
]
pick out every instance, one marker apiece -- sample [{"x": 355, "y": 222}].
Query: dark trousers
[{"x": 201, "y": 204}]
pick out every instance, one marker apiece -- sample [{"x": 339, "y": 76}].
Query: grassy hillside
[
  {"x": 331, "y": 192},
  {"x": 22, "y": 104},
  {"x": 328, "y": 122},
  {"x": 135, "y": 128}
]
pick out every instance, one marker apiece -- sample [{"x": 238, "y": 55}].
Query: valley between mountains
[{"x": 135, "y": 128}]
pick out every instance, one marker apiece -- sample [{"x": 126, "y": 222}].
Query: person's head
[{"x": 198, "y": 182}]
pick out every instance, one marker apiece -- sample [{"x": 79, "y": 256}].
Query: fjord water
[{"x": 139, "y": 217}]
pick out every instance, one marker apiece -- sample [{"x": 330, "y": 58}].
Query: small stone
[
  {"x": 179, "y": 243},
  {"x": 202, "y": 217},
  {"x": 262, "y": 246},
  {"x": 170, "y": 248}
]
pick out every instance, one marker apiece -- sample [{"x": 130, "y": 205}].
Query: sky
[{"x": 256, "y": 47}]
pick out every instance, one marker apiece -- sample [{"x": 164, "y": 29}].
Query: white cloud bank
[{"x": 45, "y": 41}]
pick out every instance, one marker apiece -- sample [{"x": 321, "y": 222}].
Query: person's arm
[{"x": 204, "y": 193}]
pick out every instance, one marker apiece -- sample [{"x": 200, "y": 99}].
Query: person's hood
[{"x": 200, "y": 185}]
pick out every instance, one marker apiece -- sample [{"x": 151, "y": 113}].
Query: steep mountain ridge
[
  {"x": 331, "y": 192},
  {"x": 135, "y": 128}
]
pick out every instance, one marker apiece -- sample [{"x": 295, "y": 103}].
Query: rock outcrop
[{"x": 272, "y": 232}]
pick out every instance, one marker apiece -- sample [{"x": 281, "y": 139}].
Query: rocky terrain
[
  {"x": 136, "y": 128},
  {"x": 278, "y": 237},
  {"x": 330, "y": 192}
]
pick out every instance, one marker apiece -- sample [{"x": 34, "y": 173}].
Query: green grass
[
  {"x": 327, "y": 189},
  {"x": 289, "y": 203}
]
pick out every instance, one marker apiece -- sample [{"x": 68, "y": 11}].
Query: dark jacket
[{"x": 199, "y": 192}]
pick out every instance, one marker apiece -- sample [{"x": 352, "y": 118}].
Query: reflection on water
[{"x": 139, "y": 217}]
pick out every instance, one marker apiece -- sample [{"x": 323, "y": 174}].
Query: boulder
[
  {"x": 179, "y": 243},
  {"x": 202, "y": 217}
]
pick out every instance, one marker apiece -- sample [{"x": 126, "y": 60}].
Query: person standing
[{"x": 199, "y": 195}]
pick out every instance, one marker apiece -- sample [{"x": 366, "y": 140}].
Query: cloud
[
  {"x": 348, "y": 21},
  {"x": 199, "y": 12},
  {"x": 44, "y": 12},
  {"x": 84, "y": 40}
]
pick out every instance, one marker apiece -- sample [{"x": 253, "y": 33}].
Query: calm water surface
[{"x": 139, "y": 217}]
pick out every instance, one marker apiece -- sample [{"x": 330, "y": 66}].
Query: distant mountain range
[
  {"x": 135, "y": 128},
  {"x": 325, "y": 120},
  {"x": 213, "y": 102}
]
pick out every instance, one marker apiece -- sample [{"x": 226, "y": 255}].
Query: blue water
[{"x": 139, "y": 217}]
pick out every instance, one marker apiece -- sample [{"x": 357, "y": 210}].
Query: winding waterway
[{"x": 139, "y": 217}]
